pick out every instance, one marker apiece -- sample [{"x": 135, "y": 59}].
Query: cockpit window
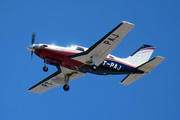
[
  {"x": 45, "y": 45},
  {"x": 80, "y": 49}
]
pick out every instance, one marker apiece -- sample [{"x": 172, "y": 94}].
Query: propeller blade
[
  {"x": 32, "y": 42},
  {"x": 33, "y": 37},
  {"x": 31, "y": 54}
]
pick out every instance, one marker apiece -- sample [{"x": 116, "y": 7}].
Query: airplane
[{"x": 75, "y": 61}]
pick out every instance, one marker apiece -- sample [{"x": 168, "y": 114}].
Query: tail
[
  {"x": 141, "y": 55},
  {"x": 145, "y": 67}
]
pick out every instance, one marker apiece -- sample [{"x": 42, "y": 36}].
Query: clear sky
[{"x": 65, "y": 22}]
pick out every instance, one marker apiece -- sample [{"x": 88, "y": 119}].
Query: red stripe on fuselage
[
  {"x": 151, "y": 48},
  {"x": 59, "y": 58}
]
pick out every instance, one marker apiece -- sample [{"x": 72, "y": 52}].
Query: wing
[
  {"x": 54, "y": 80},
  {"x": 98, "y": 52}
]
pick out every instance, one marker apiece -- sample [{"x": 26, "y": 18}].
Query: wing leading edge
[{"x": 98, "y": 52}]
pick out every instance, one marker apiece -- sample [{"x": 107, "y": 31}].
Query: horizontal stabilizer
[
  {"x": 151, "y": 64},
  {"x": 131, "y": 78},
  {"x": 146, "y": 67}
]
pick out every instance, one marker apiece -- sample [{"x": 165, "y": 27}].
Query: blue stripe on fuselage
[{"x": 116, "y": 65}]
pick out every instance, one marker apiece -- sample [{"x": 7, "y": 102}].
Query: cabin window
[
  {"x": 80, "y": 49},
  {"x": 111, "y": 57}
]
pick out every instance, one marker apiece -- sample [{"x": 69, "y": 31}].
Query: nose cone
[{"x": 30, "y": 48}]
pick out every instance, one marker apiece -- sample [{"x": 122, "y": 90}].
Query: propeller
[
  {"x": 32, "y": 42},
  {"x": 33, "y": 37}
]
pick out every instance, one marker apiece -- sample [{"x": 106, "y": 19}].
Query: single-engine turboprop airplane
[{"x": 74, "y": 62}]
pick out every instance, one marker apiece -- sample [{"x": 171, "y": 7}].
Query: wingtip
[
  {"x": 127, "y": 22},
  {"x": 160, "y": 57}
]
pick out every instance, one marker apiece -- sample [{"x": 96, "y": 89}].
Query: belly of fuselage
[{"x": 55, "y": 57}]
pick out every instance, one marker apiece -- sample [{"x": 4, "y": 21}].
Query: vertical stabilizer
[{"x": 141, "y": 55}]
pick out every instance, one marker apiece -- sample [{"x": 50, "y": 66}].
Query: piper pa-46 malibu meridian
[{"x": 74, "y": 62}]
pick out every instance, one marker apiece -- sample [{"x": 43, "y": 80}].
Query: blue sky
[{"x": 66, "y": 22}]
